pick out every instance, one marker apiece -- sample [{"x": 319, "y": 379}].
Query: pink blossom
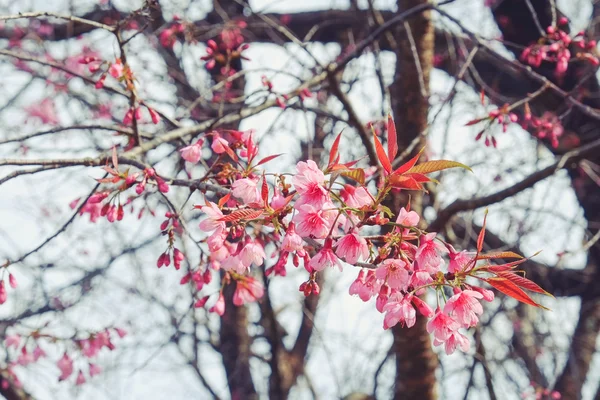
[
  {"x": 94, "y": 370},
  {"x": 247, "y": 290},
  {"x": 213, "y": 213},
  {"x": 80, "y": 379},
  {"x": 12, "y": 281},
  {"x": 219, "y": 145},
  {"x": 234, "y": 263},
  {"x": 458, "y": 260},
  {"x": 12, "y": 341},
  {"x": 428, "y": 255},
  {"x": 25, "y": 357},
  {"x": 325, "y": 258},
  {"x": 352, "y": 247},
  {"x": 355, "y": 197},
  {"x": 65, "y": 365},
  {"x": 399, "y": 309},
  {"x": 292, "y": 241},
  {"x": 394, "y": 272},
  {"x": 488, "y": 295},
  {"x": 45, "y": 111},
  {"x": 309, "y": 184},
  {"x": 464, "y": 307},
  {"x": 442, "y": 326},
  {"x": 313, "y": 221},
  {"x": 3, "y": 294},
  {"x": 407, "y": 218},
  {"x": 365, "y": 286},
  {"x": 219, "y": 306},
  {"x": 455, "y": 339},
  {"x": 116, "y": 69},
  {"x": 423, "y": 307},
  {"x": 247, "y": 190},
  {"x": 38, "y": 353},
  {"x": 193, "y": 152},
  {"x": 278, "y": 201},
  {"x": 252, "y": 253}
]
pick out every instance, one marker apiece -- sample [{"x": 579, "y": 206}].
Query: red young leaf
[
  {"x": 351, "y": 163},
  {"x": 510, "y": 289},
  {"x": 409, "y": 164},
  {"x": 437, "y": 165},
  {"x": 498, "y": 254},
  {"x": 267, "y": 159},
  {"x": 224, "y": 200},
  {"x": 231, "y": 153},
  {"x": 264, "y": 191},
  {"x": 246, "y": 213},
  {"x": 334, "y": 150},
  {"x": 385, "y": 161},
  {"x": 481, "y": 234},
  {"x": 498, "y": 268},
  {"x": 405, "y": 182},
  {"x": 474, "y": 122},
  {"x": 522, "y": 282},
  {"x": 115, "y": 159},
  {"x": 392, "y": 138},
  {"x": 357, "y": 174}
]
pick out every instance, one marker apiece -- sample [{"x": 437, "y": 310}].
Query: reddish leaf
[
  {"x": 385, "y": 161},
  {"x": 419, "y": 177},
  {"x": 498, "y": 254},
  {"x": 392, "y": 138},
  {"x": 522, "y": 282},
  {"x": 224, "y": 200},
  {"x": 405, "y": 182},
  {"x": 474, "y": 122},
  {"x": 497, "y": 268},
  {"x": 481, "y": 234},
  {"x": 351, "y": 163},
  {"x": 231, "y": 153},
  {"x": 510, "y": 289},
  {"x": 334, "y": 150},
  {"x": 434, "y": 166},
  {"x": 409, "y": 164},
  {"x": 115, "y": 159},
  {"x": 264, "y": 192},
  {"x": 267, "y": 159},
  {"x": 357, "y": 174},
  {"x": 246, "y": 213}
]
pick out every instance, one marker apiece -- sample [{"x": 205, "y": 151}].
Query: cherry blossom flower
[
  {"x": 94, "y": 370},
  {"x": 407, "y": 218},
  {"x": 458, "y": 260},
  {"x": 309, "y": 184},
  {"x": 213, "y": 213},
  {"x": 365, "y": 286},
  {"x": 442, "y": 326},
  {"x": 313, "y": 221},
  {"x": 355, "y": 197},
  {"x": 80, "y": 378},
  {"x": 65, "y": 365},
  {"x": 455, "y": 339},
  {"x": 219, "y": 306},
  {"x": 428, "y": 255},
  {"x": 325, "y": 258},
  {"x": 352, "y": 247},
  {"x": 193, "y": 152},
  {"x": 219, "y": 145},
  {"x": 247, "y": 190},
  {"x": 394, "y": 272},
  {"x": 247, "y": 290},
  {"x": 464, "y": 307},
  {"x": 292, "y": 241},
  {"x": 45, "y": 111},
  {"x": 12, "y": 341},
  {"x": 399, "y": 309},
  {"x": 252, "y": 253}
]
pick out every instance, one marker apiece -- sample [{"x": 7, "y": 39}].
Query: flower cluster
[
  {"x": 558, "y": 47},
  {"x": 29, "y": 348},
  {"x": 320, "y": 219}
]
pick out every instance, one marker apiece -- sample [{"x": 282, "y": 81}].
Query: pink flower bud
[
  {"x": 12, "y": 281},
  {"x": 201, "y": 302},
  {"x": 3, "y": 294}
]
